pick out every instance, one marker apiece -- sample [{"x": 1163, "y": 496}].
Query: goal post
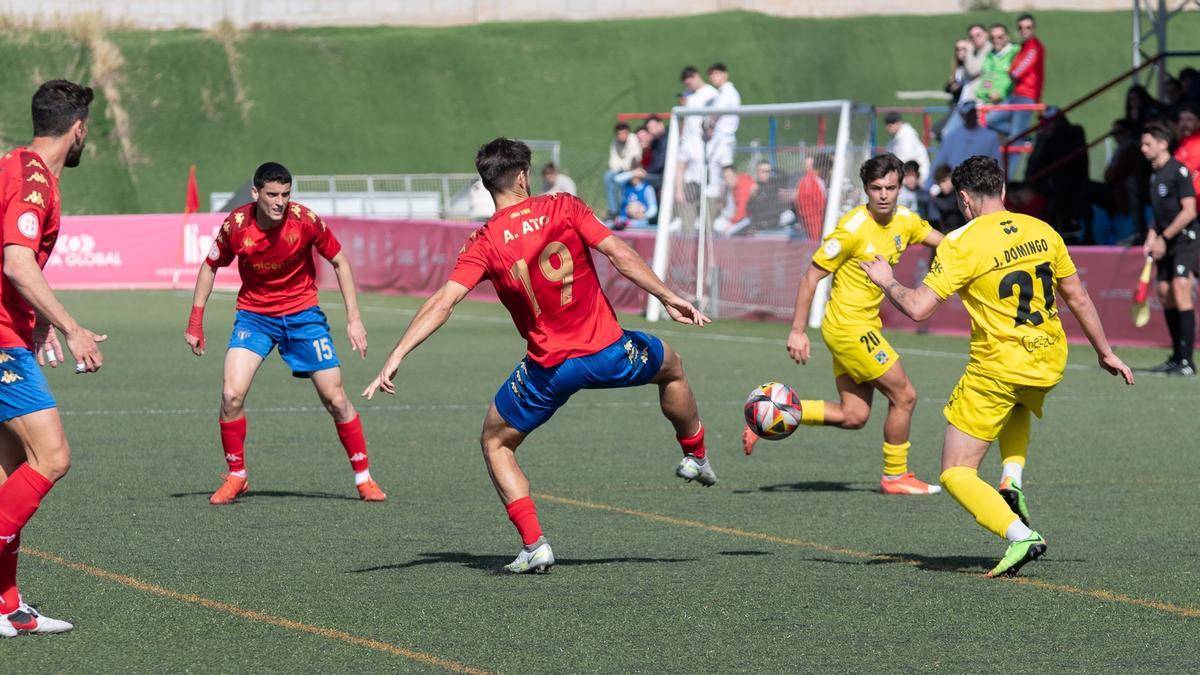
[{"x": 735, "y": 242}]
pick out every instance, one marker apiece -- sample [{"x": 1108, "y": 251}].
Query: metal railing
[{"x": 433, "y": 196}]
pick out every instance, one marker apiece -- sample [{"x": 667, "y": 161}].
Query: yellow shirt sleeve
[
  {"x": 1063, "y": 265},
  {"x": 839, "y": 247},
  {"x": 919, "y": 230},
  {"x": 948, "y": 271}
]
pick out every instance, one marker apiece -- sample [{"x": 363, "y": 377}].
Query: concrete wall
[{"x": 207, "y": 13}]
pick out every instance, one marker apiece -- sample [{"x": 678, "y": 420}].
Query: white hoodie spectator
[
  {"x": 905, "y": 143},
  {"x": 723, "y": 128}
]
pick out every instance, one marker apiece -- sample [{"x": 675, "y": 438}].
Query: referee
[{"x": 1172, "y": 243}]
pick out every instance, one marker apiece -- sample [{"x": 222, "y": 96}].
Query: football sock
[
  {"x": 523, "y": 515},
  {"x": 1187, "y": 334},
  {"x": 978, "y": 498},
  {"x": 1172, "y": 316},
  {"x": 693, "y": 445},
  {"x": 233, "y": 442},
  {"x": 1012, "y": 470},
  {"x": 1017, "y": 531},
  {"x": 895, "y": 459},
  {"x": 10, "y": 597},
  {"x": 812, "y": 413},
  {"x": 1014, "y": 443},
  {"x": 355, "y": 443}
]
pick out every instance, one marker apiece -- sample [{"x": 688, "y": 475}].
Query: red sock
[
  {"x": 10, "y": 597},
  {"x": 693, "y": 445},
  {"x": 355, "y": 443},
  {"x": 233, "y": 441},
  {"x": 523, "y": 514}
]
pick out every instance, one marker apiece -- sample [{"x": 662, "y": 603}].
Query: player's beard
[{"x": 74, "y": 153}]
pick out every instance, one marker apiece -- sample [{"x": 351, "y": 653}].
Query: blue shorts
[
  {"x": 533, "y": 393},
  {"x": 303, "y": 339},
  {"x": 23, "y": 387}
]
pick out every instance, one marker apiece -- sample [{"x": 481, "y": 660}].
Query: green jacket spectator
[{"x": 995, "y": 83}]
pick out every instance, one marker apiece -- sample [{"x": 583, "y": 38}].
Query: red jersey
[
  {"x": 538, "y": 256},
  {"x": 1188, "y": 155},
  {"x": 278, "y": 273},
  {"x": 1028, "y": 70},
  {"x": 30, "y": 210}
]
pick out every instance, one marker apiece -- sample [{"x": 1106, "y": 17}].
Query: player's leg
[
  {"x": 499, "y": 442},
  {"x": 348, "y": 423},
  {"x": 1014, "y": 445},
  {"x": 902, "y": 400},
  {"x": 640, "y": 358},
  {"x": 1166, "y": 298},
  {"x": 240, "y": 366},
  {"x": 1181, "y": 292}
]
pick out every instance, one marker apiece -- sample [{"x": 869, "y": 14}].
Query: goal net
[{"x": 740, "y": 215}]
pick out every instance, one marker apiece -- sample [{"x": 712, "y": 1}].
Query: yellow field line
[
  {"x": 1107, "y": 596},
  {"x": 330, "y": 633}
]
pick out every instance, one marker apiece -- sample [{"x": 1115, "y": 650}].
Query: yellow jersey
[
  {"x": 1006, "y": 266},
  {"x": 854, "y": 300}
]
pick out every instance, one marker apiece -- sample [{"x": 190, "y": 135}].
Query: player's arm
[
  {"x": 433, "y": 315},
  {"x": 1080, "y": 303},
  {"x": 23, "y": 272},
  {"x": 632, "y": 267},
  {"x": 933, "y": 239},
  {"x": 798, "y": 345},
  {"x": 917, "y": 304},
  {"x": 1187, "y": 213},
  {"x": 354, "y": 325},
  {"x": 193, "y": 335}
]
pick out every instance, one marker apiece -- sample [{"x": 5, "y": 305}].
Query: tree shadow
[
  {"x": 818, "y": 486},
  {"x": 494, "y": 564},
  {"x": 273, "y": 493}
]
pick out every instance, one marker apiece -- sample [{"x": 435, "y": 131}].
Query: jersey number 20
[
  {"x": 565, "y": 273},
  {"x": 1024, "y": 285}
]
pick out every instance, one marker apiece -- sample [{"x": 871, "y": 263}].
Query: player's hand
[
  {"x": 1116, "y": 366},
  {"x": 798, "y": 346},
  {"x": 82, "y": 343},
  {"x": 196, "y": 342},
  {"x": 358, "y": 337},
  {"x": 46, "y": 344},
  {"x": 879, "y": 270},
  {"x": 383, "y": 381},
  {"x": 683, "y": 311}
]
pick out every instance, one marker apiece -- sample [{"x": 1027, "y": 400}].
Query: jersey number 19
[{"x": 565, "y": 273}]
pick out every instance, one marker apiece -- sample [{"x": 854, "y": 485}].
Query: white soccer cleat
[
  {"x": 691, "y": 469},
  {"x": 537, "y": 558},
  {"x": 27, "y": 620}
]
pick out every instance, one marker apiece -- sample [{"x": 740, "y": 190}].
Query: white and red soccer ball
[{"x": 773, "y": 411}]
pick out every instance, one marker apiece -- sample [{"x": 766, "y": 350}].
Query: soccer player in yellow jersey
[
  {"x": 1005, "y": 266},
  {"x": 863, "y": 361}
]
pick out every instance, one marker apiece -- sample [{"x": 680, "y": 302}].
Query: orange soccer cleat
[
  {"x": 749, "y": 438},
  {"x": 908, "y": 484},
  {"x": 370, "y": 492},
  {"x": 230, "y": 490}
]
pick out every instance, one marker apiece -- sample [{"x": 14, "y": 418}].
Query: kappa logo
[
  {"x": 37, "y": 177},
  {"x": 34, "y": 162},
  {"x": 358, "y": 457},
  {"x": 8, "y": 538},
  {"x": 1008, "y": 227},
  {"x": 239, "y": 217},
  {"x": 5, "y": 357},
  {"x": 35, "y": 197},
  {"x": 232, "y": 458},
  {"x": 9, "y": 377},
  {"x": 248, "y": 242},
  {"x": 296, "y": 210},
  {"x": 311, "y": 216}
]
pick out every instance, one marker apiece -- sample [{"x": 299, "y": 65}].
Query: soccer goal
[{"x": 740, "y": 215}]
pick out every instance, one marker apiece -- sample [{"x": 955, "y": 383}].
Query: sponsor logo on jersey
[
  {"x": 5, "y": 357},
  {"x": 291, "y": 236},
  {"x": 239, "y": 217},
  {"x": 881, "y": 356},
  {"x": 1034, "y": 343},
  {"x": 296, "y": 210},
  {"x": 897, "y": 240},
  {"x": 9, "y": 377},
  {"x": 34, "y": 162},
  {"x": 35, "y": 197},
  {"x": 1162, "y": 189},
  {"x": 27, "y": 224},
  {"x": 1008, "y": 227},
  {"x": 37, "y": 177}
]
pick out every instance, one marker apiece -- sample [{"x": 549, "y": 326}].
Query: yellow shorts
[
  {"x": 981, "y": 405},
  {"x": 862, "y": 353}
]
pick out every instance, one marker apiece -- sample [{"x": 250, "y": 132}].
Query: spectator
[
  {"x": 1172, "y": 92},
  {"x": 1128, "y": 177},
  {"x": 554, "y": 180},
  {"x": 906, "y": 143},
  {"x": 736, "y": 196},
  {"x": 722, "y": 129},
  {"x": 696, "y": 94},
  {"x": 1027, "y": 74},
  {"x": 812, "y": 195},
  {"x": 912, "y": 197},
  {"x": 658, "y": 152},
  {"x": 1141, "y": 109},
  {"x": 980, "y": 47},
  {"x": 766, "y": 208},
  {"x": 943, "y": 204},
  {"x": 954, "y": 86},
  {"x": 995, "y": 82},
  {"x": 639, "y": 203},
  {"x": 624, "y": 154},
  {"x": 1189, "y": 79},
  {"x": 1058, "y": 169},
  {"x": 1188, "y": 153},
  {"x": 646, "y": 143},
  {"x": 967, "y": 140}
]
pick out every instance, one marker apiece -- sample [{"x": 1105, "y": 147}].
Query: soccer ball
[{"x": 773, "y": 411}]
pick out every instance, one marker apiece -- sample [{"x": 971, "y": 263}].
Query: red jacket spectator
[
  {"x": 1188, "y": 155},
  {"x": 741, "y": 196},
  {"x": 810, "y": 204},
  {"x": 1028, "y": 70}
]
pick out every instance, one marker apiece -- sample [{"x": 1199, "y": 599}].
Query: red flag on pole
[{"x": 193, "y": 193}]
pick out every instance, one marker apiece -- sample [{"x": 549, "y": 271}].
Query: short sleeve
[
  {"x": 324, "y": 241},
  {"x": 838, "y": 248},
  {"x": 26, "y": 215},
  {"x": 221, "y": 254},
  {"x": 1184, "y": 182},
  {"x": 949, "y": 270},
  {"x": 472, "y": 264},
  {"x": 587, "y": 224},
  {"x": 919, "y": 230},
  {"x": 1063, "y": 265}
]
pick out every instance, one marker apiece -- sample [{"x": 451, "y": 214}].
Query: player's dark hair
[
  {"x": 620, "y": 126},
  {"x": 879, "y": 166},
  {"x": 1000, "y": 26},
  {"x": 57, "y": 105},
  {"x": 979, "y": 175},
  {"x": 912, "y": 167},
  {"x": 719, "y": 67},
  {"x": 271, "y": 172},
  {"x": 499, "y": 161},
  {"x": 688, "y": 71},
  {"x": 1159, "y": 131},
  {"x": 1027, "y": 17}
]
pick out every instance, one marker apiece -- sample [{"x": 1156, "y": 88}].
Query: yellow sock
[
  {"x": 812, "y": 413},
  {"x": 978, "y": 498},
  {"x": 1014, "y": 437},
  {"x": 895, "y": 458}
]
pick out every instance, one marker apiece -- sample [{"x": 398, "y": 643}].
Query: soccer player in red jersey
[
  {"x": 34, "y": 453},
  {"x": 536, "y": 252},
  {"x": 273, "y": 240}
]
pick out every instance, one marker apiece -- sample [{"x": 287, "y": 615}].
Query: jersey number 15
[{"x": 565, "y": 273}]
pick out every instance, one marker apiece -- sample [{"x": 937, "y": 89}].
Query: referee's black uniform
[{"x": 1169, "y": 184}]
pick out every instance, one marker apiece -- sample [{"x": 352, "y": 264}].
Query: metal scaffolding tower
[{"x": 1150, "y": 18}]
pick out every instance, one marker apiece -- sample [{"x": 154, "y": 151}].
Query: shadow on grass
[
  {"x": 745, "y": 553},
  {"x": 494, "y": 564},
  {"x": 818, "y": 486},
  {"x": 272, "y": 493}
]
